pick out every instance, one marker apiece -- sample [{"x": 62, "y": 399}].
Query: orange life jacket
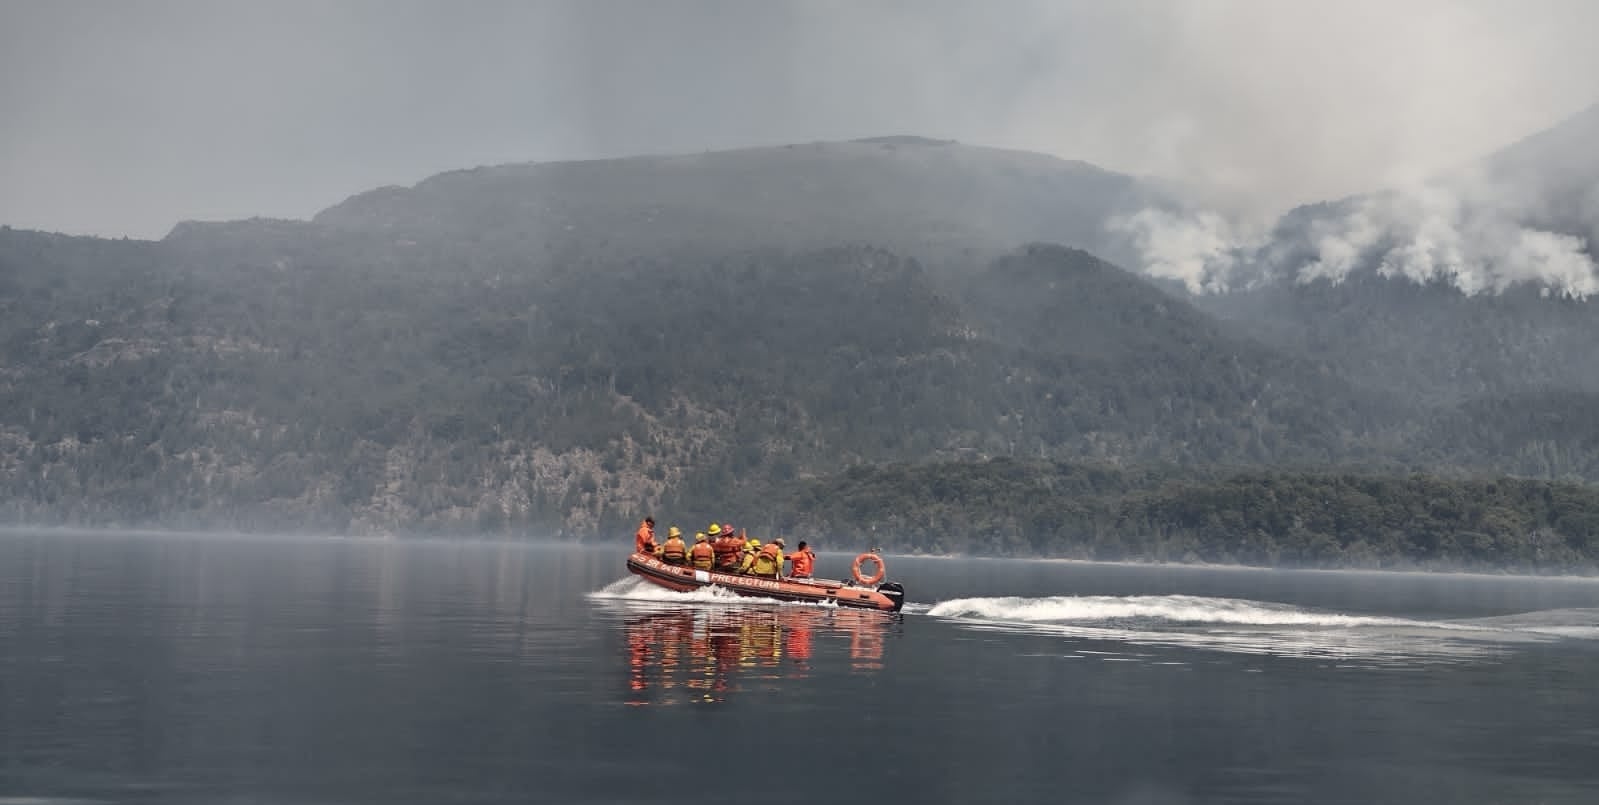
[
  {"x": 769, "y": 561},
  {"x": 804, "y": 562},
  {"x": 702, "y": 554},
  {"x": 674, "y": 550},
  {"x": 644, "y": 540}
]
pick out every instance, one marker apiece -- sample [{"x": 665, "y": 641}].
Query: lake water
[{"x": 233, "y": 670}]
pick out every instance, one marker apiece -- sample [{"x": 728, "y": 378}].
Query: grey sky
[{"x": 126, "y": 117}]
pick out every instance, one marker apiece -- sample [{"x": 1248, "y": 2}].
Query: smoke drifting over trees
[{"x": 1527, "y": 214}]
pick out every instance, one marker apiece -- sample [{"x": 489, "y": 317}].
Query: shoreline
[{"x": 1588, "y": 575}]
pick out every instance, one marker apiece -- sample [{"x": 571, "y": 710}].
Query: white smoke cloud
[
  {"x": 1480, "y": 233},
  {"x": 1559, "y": 260},
  {"x": 1341, "y": 243},
  {"x": 1201, "y": 249}
]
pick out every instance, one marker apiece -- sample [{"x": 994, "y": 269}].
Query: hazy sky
[{"x": 126, "y": 117}]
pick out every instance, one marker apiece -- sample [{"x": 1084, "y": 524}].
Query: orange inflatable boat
[{"x": 862, "y": 592}]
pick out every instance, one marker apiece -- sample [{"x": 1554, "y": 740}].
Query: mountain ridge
[{"x": 930, "y": 199}]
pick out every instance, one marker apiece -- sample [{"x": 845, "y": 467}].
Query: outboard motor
[{"x": 895, "y": 592}]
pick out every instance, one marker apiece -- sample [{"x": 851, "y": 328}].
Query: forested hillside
[
  {"x": 1478, "y": 284},
  {"x": 520, "y": 351},
  {"x": 1431, "y": 343},
  {"x": 1008, "y": 507},
  {"x": 257, "y": 387},
  {"x": 273, "y": 376}
]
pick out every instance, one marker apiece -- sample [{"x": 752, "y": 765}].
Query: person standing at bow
[{"x": 644, "y": 540}]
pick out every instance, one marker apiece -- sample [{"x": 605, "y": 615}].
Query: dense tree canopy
[
  {"x": 270, "y": 375},
  {"x": 1009, "y": 507}
]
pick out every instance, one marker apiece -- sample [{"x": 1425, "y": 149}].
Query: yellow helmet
[
  {"x": 714, "y": 530},
  {"x": 699, "y": 536},
  {"x": 673, "y": 532},
  {"x": 753, "y": 543}
]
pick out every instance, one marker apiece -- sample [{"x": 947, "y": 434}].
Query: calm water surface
[{"x": 231, "y": 670}]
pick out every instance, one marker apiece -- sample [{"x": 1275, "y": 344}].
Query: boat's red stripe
[{"x": 693, "y": 583}]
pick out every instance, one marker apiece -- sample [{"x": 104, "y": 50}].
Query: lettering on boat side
[
  {"x": 705, "y": 577},
  {"x": 746, "y": 581}
]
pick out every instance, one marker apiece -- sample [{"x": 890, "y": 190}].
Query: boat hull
[{"x": 885, "y": 597}]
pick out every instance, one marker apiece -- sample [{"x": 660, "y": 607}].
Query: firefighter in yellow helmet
[
  {"x": 701, "y": 555},
  {"x": 673, "y": 551},
  {"x": 751, "y": 548}
]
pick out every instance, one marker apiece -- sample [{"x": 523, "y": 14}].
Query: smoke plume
[{"x": 1479, "y": 231}]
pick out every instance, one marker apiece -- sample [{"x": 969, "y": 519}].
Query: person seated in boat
[
  {"x": 747, "y": 562},
  {"x": 804, "y": 560},
  {"x": 701, "y": 556},
  {"x": 715, "y": 534},
  {"x": 644, "y": 540},
  {"x": 727, "y": 547},
  {"x": 769, "y": 560},
  {"x": 673, "y": 551}
]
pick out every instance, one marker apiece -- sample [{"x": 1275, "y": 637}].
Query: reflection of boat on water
[
  {"x": 703, "y": 654},
  {"x": 863, "y": 593}
]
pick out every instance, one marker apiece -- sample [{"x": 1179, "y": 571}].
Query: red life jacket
[{"x": 727, "y": 551}]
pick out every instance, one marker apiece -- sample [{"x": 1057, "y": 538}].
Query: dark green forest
[
  {"x": 1029, "y": 508},
  {"x": 419, "y": 362}
]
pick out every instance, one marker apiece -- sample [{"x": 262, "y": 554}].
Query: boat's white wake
[
  {"x": 1257, "y": 627},
  {"x": 1169, "y": 608},
  {"x": 633, "y": 588},
  {"x": 1577, "y": 624}
]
